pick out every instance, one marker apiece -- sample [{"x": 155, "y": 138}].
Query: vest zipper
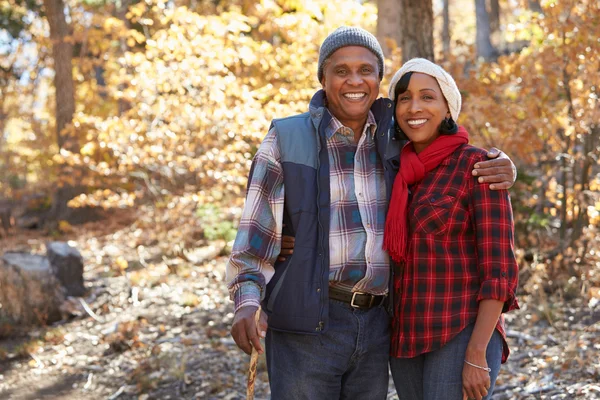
[{"x": 322, "y": 252}]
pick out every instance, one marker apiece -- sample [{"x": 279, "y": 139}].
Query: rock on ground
[
  {"x": 67, "y": 266},
  {"x": 30, "y": 294}
]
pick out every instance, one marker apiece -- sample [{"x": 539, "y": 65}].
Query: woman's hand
[
  {"x": 476, "y": 381},
  {"x": 287, "y": 247}
]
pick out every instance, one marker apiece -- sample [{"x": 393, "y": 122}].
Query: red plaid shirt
[{"x": 460, "y": 252}]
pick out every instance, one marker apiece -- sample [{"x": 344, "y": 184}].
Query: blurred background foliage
[{"x": 171, "y": 99}]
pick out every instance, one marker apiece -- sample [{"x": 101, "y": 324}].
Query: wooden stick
[
  {"x": 253, "y": 363},
  {"x": 89, "y": 310}
]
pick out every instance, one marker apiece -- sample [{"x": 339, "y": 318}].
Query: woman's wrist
[
  {"x": 476, "y": 351},
  {"x": 485, "y": 368}
]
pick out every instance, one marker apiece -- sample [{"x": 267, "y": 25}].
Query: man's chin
[
  {"x": 364, "y": 102},
  {"x": 357, "y": 112}
]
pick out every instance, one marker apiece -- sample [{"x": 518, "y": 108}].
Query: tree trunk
[
  {"x": 534, "y": 5},
  {"x": 417, "y": 29},
  {"x": 388, "y": 24},
  {"x": 120, "y": 12},
  {"x": 62, "y": 51},
  {"x": 495, "y": 20},
  {"x": 4, "y": 164},
  {"x": 446, "y": 28},
  {"x": 483, "y": 42},
  {"x": 590, "y": 143}
]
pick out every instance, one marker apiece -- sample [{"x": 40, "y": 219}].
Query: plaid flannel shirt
[
  {"x": 357, "y": 218},
  {"x": 461, "y": 251}
]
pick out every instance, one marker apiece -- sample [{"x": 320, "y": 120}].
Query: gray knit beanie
[{"x": 349, "y": 36}]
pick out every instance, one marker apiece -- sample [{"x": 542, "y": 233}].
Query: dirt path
[{"x": 161, "y": 331}]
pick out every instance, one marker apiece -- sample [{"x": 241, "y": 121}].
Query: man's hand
[
  {"x": 287, "y": 247},
  {"x": 500, "y": 172},
  {"x": 245, "y": 332}
]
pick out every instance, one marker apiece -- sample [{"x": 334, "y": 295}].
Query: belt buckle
[{"x": 357, "y": 306}]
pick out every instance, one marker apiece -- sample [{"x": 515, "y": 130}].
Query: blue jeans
[
  {"x": 438, "y": 375},
  {"x": 348, "y": 361}
]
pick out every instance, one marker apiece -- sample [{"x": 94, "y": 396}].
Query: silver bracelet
[{"x": 478, "y": 366}]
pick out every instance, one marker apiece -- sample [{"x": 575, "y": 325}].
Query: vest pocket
[
  {"x": 431, "y": 214},
  {"x": 277, "y": 288}
]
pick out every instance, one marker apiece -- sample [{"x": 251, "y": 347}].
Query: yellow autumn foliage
[
  {"x": 173, "y": 98},
  {"x": 201, "y": 90}
]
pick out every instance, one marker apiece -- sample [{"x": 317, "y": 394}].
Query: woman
[{"x": 459, "y": 271}]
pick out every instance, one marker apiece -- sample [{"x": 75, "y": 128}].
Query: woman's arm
[
  {"x": 476, "y": 381},
  {"x": 492, "y": 222}
]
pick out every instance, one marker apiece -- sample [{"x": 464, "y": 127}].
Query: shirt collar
[{"x": 335, "y": 126}]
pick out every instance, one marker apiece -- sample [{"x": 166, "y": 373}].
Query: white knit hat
[{"x": 446, "y": 82}]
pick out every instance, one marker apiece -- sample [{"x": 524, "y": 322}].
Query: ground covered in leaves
[{"x": 155, "y": 325}]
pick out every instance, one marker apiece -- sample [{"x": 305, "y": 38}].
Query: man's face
[{"x": 351, "y": 83}]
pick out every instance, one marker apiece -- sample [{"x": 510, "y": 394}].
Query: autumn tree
[
  {"x": 210, "y": 85},
  {"x": 62, "y": 50},
  {"x": 389, "y": 29},
  {"x": 446, "y": 28},
  {"x": 69, "y": 184},
  {"x": 494, "y": 15},
  {"x": 534, "y": 5},
  {"x": 416, "y": 22},
  {"x": 203, "y": 80},
  {"x": 485, "y": 49},
  {"x": 541, "y": 105}
]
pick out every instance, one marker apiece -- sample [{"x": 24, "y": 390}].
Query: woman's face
[{"x": 420, "y": 110}]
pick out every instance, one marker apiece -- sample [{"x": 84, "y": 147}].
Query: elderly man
[{"x": 325, "y": 178}]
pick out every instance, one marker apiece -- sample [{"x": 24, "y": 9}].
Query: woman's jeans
[
  {"x": 348, "y": 361},
  {"x": 438, "y": 375}
]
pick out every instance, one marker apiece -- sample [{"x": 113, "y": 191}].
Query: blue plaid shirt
[{"x": 358, "y": 209}]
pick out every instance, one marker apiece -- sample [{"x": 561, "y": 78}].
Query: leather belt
[{"x": 356, "y": 299}]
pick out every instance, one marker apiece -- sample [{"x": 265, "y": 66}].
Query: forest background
[{"x": 128, "y": 127}]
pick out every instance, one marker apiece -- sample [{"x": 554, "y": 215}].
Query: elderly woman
[{"x": 453, "y": 238}]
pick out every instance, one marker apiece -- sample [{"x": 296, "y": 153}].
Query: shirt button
[
  {"x": 319, "y": 290},
  {"x": 504, "y": 273}
]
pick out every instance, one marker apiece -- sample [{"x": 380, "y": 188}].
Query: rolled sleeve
[
  {"x": 246, "y": 294},
  {"x": 499, "y": 289},
  {"x": 494, "y": 227}
]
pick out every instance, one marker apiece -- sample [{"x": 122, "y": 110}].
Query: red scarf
[{"x": 413, "y": 168}]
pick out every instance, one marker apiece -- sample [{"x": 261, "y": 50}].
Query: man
[{"x": 325, "y": 178}]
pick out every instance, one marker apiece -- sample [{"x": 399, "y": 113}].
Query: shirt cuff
[
  {"x": 247, "y": 294},
  {"x": 498, "y": 289}
]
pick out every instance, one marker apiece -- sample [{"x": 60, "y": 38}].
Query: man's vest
[{"x": 296, "y": 298}]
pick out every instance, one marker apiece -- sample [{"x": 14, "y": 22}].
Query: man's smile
[{"x": 355, "y": 96}]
